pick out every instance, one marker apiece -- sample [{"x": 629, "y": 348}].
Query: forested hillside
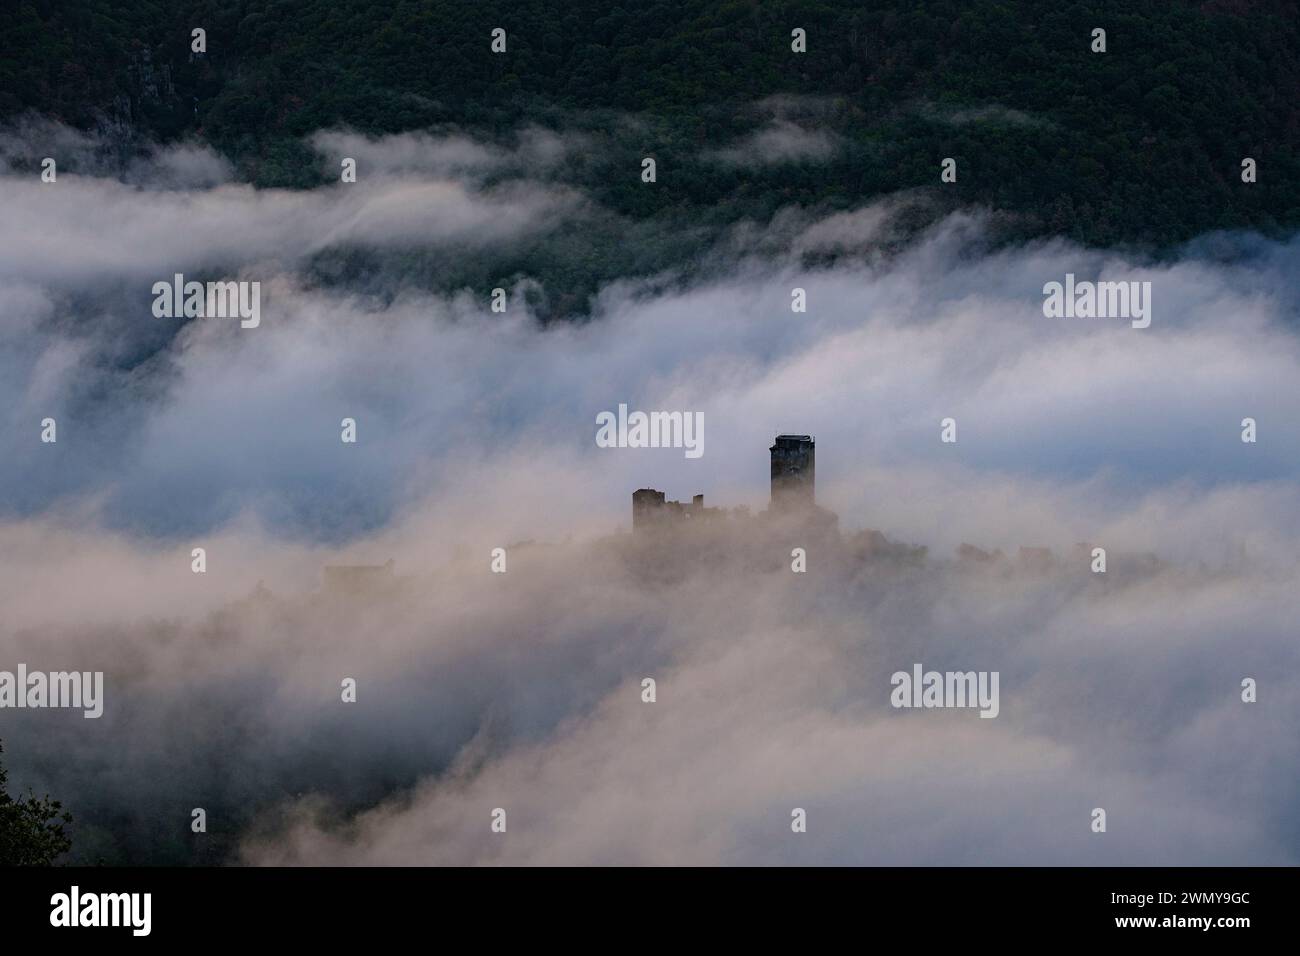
[{"x": 1142, "y": 143}]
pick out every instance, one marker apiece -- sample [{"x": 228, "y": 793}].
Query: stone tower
[{"x": 794, "y": 466}]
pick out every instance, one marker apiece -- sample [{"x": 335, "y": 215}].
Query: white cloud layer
[{"x": 522, "y": 690}]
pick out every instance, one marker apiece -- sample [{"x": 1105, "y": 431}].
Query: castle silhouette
[{"x": 794, "y": 472}]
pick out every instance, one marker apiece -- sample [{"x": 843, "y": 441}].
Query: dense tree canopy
[
  {"x": 1141, "y": 144},
  {"x": 31, "y": 829}
]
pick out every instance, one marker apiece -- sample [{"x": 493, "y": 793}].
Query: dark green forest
[
  {"x": 31, "y": 828},
  {"x": 1140, "y": 145}
]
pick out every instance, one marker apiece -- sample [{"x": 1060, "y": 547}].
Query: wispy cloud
[{"x": 521, "y": 690}]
